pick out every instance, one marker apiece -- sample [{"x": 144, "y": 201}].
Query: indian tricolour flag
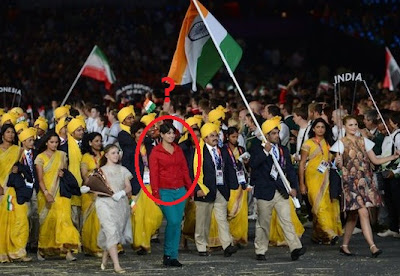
[
  {"x": 10, "y": 206},
  {"x": 149, "y": 106},
  {"x": 196, "y": 59},
  {"x": 97, "y": 67}
]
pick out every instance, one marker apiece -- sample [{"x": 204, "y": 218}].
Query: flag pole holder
[{"x": 265, "y": 141}]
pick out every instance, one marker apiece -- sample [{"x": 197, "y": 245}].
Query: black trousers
[{"x": 391, "y": 188}]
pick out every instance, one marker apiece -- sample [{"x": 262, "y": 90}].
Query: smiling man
[{"x": 212, "y": 193}]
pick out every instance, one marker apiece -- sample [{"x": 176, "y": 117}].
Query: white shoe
[
  {"x": 357, "y": 231},
  {"x": 389, "y": 233}
]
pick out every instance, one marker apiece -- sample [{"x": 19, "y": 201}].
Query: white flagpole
[
  {"x": 77, "y": 77},
  {"x": 276, "y": 163},
  {"x": 379, "y": 113}
]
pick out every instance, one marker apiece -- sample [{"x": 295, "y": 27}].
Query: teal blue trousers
[{"x": 174, "y": 216}]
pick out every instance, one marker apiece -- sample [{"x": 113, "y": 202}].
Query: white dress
[{"x": 113, "y": 215}]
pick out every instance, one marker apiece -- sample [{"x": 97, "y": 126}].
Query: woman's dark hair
[
  {"x": 45, "y": 139},
  {"x": 4, "y": 129},
  {"x": 137, "y": 126},
  {"x": 328, "y": 131},
  {"x": 103, "y": 159},
  {"x": 166, "y": 127},
  {"x": 89, "y": 137},
  {"x": 229, "y": 132}
]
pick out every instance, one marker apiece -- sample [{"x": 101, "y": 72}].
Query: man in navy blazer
[
  {"x": 26, "y": 138},
  {"x": 126, "y": 117},
  {"x": 271, "y": 192},
  {"x": 212, "y": 193}
]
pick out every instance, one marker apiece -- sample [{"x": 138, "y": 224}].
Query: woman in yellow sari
[
  {"x": 57, "y": 234},
  {"x": 146, "y": 215},
  {"x": 14, "y": 225},
  {"x": 92, "y": 152},
  {"x": 314, "y": 181},
  {"x": 237, "y": 204}
]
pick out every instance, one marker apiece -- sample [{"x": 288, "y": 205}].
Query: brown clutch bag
[{"x": 98, "y": 184}]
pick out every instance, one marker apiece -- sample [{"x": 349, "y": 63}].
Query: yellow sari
[
  {"x": 189, "y": 222},
  {"x": 57, "y": 234},
  {"x": 326, "y": 212},
  {"x": 91, "y": 223},
  {"x": 147, "y": 217},
  {"x": 237, "y": 216},
  {"x": 14, "y": 224}
]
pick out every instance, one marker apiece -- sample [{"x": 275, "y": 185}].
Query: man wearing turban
[
  {"x": 41, "y": 126},
  {"x": 270, "y": 190},
  {"x": 217, "y": 116},
  {"x": 212, "y": 193},
  {"x": 126, "y": 117},
  {"x": 153, "y": 136},
  {"x": 27, "y": 139},
  {"x": 76, "y": 128}
]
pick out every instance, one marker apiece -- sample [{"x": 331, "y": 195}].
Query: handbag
[{"x": 98, "y": 184}]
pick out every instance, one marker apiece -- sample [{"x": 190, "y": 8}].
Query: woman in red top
[{"x": 169, "y": 178}]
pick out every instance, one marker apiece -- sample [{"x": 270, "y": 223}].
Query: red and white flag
[
  {"x": 392, "y": 75},
  {"x": 97, "y": 67}
]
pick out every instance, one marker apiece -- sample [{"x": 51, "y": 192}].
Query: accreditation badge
[
  {"x": 274, "y": 173},
  {"x": 146, "y": 176},
  {"x": 220, "y": 178},
  {"x": 323, "y": 166},
  {"x": 241, "y": 177}
]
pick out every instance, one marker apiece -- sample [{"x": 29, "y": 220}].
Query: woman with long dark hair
[
  {"x": 57, "y": 234},
  {"x": 14, "y": 225},
  {"x": 169, "y": 180},
  {"x": 113, "y": 212},
  {"x": 237, "y": 204},
  {"x": 314, "y": 182},
  {"x": 92, "y": 151}
]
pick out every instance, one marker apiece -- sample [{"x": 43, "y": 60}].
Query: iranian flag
[
  {"x": 97, "y": 67},
  {"x": 196, "y": 59},
  {"x": 392, "y": 75}
]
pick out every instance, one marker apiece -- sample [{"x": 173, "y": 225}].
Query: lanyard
[
  {"x": 281, "y": 157},
  {"x": 235, "y": 164},
  {"x": 320, "y": 146},
  {"x": 144, "y": 158}
]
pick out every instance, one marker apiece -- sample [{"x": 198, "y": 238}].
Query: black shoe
[
  {"x": 174, "y": 262},
  {"x": 141, "y": 252},
  {"x": 204, "y": 254},
  {"x": 230, "y": 250},
  {"x": 155, "y": 240},
  {"x": 122, "y": 252},
  {"x": 297, "y": 253},
  {"x": 342, "y": 252},
  {"x": 166, "y": 260},
  {"x": 260, "y": 257},
  {"x": 376, "y": 254},
  {"x": 334, "y": 240}
]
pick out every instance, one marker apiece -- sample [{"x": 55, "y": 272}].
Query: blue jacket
[
  {"x": 210, "y": 180},
  {"x": 264, "y": 184}
]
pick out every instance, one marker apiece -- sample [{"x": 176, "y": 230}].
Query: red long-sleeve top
[{"x": 168, "y": 171}]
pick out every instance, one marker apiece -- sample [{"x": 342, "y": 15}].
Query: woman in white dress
[{"x": 113, "y": 212}]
